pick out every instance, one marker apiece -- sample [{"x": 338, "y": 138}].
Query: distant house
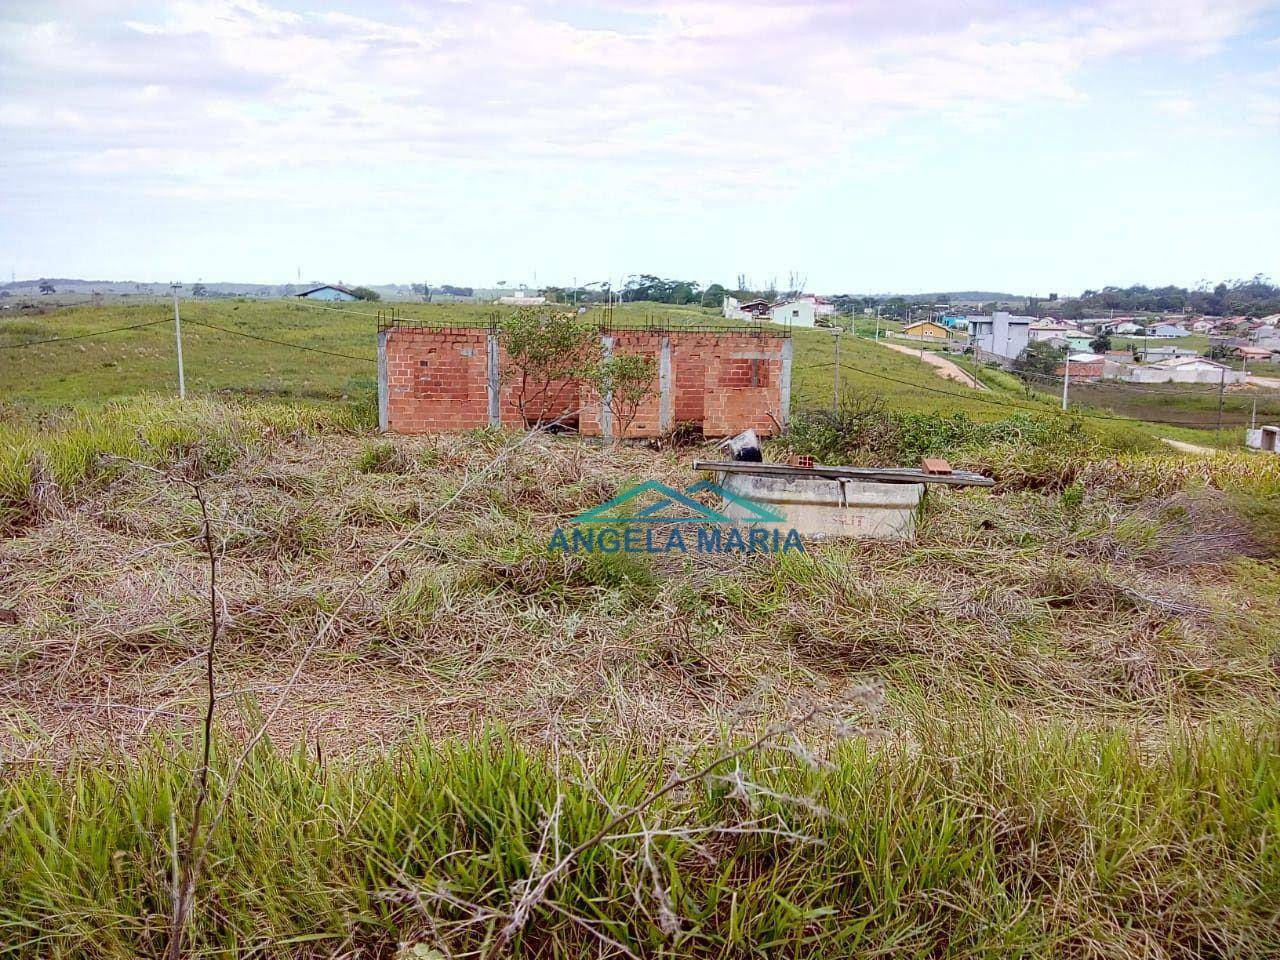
[
  {"x": 1044, "y": 330},
  {"x": 797, "y": 313},
  {"x": 1156, "y": 354},
  {"x": 1084, "y": 366},
  {"x": 1183, "y": 370},
  {"x": 1126, "y": 328},
  {"x": 927, "y": 330},
  {"x": 1202, "y": 326},
  {"x": 521, "y": 301},
  {"x": 735, "y": 309},
  {"x": 1079, "y": 341},
  {"x": 1251, "y": 353},
  {"x": 328, "y": 291},
  {"x": 1166, "y": 330},
  {"x": 1001, "y": 334},
  {"x": 822, "y": 307}
]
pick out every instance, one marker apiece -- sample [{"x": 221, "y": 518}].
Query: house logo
[{"x": 652, "y": 517}]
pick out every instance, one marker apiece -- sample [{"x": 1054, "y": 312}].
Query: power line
[
  {"x": 282, "y": 343},
  {"x": 82, "y": 336}
]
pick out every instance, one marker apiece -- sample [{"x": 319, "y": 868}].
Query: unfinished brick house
[{"x": 722, "y": 380}]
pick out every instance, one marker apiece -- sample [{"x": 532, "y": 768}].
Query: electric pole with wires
[{"x": 177, "y": 334}]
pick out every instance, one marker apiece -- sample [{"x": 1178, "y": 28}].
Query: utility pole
[
  {"x": 177, "y": 333},
  {"x": 835, "y": 389},
  {"x": 1066, "y": 379},
  {"x": 575, "y": 291},
  {"x": 877, "y": 323}
]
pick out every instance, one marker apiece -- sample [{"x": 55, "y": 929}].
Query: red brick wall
[
  {"x": 743, "y": 386},
  {"x": 438, "y": 380},
  {"x": 648, "y": 412}
]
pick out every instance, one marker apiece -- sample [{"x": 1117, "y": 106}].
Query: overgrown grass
[
  {"x": 981, "y": 839},
  {"x": 49, "y": 456},
  {"x": 864, "y": 431}
]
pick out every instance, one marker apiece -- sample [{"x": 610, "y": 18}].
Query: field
[{"x": 1046, "y": 728}]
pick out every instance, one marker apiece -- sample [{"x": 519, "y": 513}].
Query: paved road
[
  {"x": 1262, "y": 381},
  {"x": 945, "y": 367}
]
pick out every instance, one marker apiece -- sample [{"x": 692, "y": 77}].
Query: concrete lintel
[{"x": 759, "y": 354}]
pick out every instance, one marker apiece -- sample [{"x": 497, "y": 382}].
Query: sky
[{"x": 869, "y": 146}]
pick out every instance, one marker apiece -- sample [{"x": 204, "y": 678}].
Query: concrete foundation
[{"x": 820, "y": 508}]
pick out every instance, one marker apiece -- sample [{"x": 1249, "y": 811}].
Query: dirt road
[
  {"x": 1190, "y": 447},
  {"x": 945, "y": 367}
]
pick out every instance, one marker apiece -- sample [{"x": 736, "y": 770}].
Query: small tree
[
  {"x": 46, "y": 287},
  {"x": 199, "y": 290},
  {"x": 1101, "y": 343},
  {"x": 624, "y": 381},
  {"x": 1040, "y": 357},
  {"x": 547, "y": 353},
  {"x": 364, "y": 293}
]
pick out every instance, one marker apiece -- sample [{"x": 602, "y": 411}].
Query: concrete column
[
  {"x": 666, "y": 405},
  {"x": 784, "y": 383},
  {"x": 382, "y": 380},
  {"x": 606, "y": 415},
  {"x": 494, "y": 378}
]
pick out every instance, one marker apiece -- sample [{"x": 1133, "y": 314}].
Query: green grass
[{"x": 1037, "y": 844}]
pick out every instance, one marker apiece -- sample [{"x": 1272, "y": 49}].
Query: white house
[
  {"x": 328, "y": 291},
  {"x": 1182, "y": 370},
  {"x": 797, "y": 313},
  {"x": 1044, "y": 330}
]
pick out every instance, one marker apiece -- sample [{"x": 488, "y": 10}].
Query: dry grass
[{"x": 1049, "y": 607}]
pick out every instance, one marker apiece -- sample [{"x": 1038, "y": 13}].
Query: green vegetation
[{"x": 1045, "y": 845}]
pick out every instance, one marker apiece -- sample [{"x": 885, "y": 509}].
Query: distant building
[
  {"x": 1001, "y": 334},
  {"x": 1126, "y": 328},
  {"x": 1156, "y": 354},
  {"x": 822, "y": 307},
  {"x": 1202, "y": 326},
  {"x": 1084, "y": 366},
  {"x": 1046, "y": 330},
  {"x": 522, "y": 301},
  {"x": 735, "y": 309},
  {"x": 927, "y": 330},
  {"x": 797, "y": 313},
  {"x": 1181, "y": 370},
  {"x": 328, "y": 291},
  {"x": 1252, "y": 353},
  {"x": 1166, "y": 331}
]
